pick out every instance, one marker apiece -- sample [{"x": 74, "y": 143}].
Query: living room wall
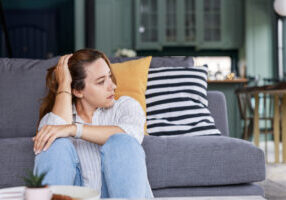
[{"x": 260, "y": 45}]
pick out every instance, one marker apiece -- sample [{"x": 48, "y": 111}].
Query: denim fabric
[
  {"x": 123, "y": 167},
  {"x": 61, "y": 164},
  {"x": 124, "y": 173}
]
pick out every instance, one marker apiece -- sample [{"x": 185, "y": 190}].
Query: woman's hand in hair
[
  {"x": 62, "y": 72},
  {"x": 49, "y": 133}
]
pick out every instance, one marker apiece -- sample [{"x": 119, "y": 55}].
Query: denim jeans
[{"x": 123, "y": 167}]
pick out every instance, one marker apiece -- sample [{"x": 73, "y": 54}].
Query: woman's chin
[{"x": 110, "y": 103}]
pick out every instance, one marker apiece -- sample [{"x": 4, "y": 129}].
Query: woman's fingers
[
  {"x": 46, "y": 136},
  {"x": 39, "y": 137},
  {"x": 66, "y": 59},
  {"x": 61, "y": 60},
  {"x": 44, "y": 140},
  {"x": 50, "y": 141},
  {"x": 42, "y": 134},
  {"x": 62, "y": 72}
]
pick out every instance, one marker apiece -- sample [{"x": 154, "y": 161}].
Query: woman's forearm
[
  {"x": 97, "y": 134},
  {"x": 63, "y": 103}
]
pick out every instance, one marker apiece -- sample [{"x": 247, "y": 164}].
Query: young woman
[{"x": 87, "y": 138}]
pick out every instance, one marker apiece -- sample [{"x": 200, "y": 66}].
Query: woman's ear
[{"x": 77, "y": 93}]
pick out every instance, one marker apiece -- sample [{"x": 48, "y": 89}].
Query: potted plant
[{"x": 35, "y": 190}]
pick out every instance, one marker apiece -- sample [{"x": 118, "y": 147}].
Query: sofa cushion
[
  {"x": 202, "y": 161},
  {"x": 16, "y": 158},
  {"x": 131, "y": 80},
  {"x": 223, "y": 190},
  {"x": 22, "y": 84},
  {"x": 176, "y": 100}
]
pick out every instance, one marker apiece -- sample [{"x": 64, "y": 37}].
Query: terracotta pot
[{"x": 43, "y": 193}]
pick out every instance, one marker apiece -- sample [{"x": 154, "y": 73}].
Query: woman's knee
[
  {"x": 122, "y": 142},
  {"x": 60, "y": 149},
  {"x": 60, "y": 145},
  {"x": 60, "y": 162}
]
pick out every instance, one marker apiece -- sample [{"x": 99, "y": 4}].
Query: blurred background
[{"x": 243, "y": 32}]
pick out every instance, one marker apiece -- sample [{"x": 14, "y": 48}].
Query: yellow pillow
[{"x": 131, "y": 80}]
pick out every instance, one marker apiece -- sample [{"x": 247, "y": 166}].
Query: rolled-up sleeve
[
  {"x": 51, "y": 119},
  {"x": 131, "y": 118}
]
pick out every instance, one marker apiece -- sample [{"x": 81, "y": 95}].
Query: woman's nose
[{"x": 112, "y": 85}]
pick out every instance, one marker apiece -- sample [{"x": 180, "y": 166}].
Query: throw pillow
[
  {"x": 131, "y": 79},
  {"x": 176, "y": 100}
]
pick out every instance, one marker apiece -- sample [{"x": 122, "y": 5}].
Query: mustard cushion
[{"x": 131, "y": 80}]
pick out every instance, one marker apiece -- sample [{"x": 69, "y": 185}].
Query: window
[{"x": 218, "y": 66}]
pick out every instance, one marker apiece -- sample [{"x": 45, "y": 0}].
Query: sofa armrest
[{"x": 218, "y": 109}]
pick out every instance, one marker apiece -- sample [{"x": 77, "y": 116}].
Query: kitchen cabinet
[
  {"x": 204, "y": 24},
  {"x": 148, "y": 21}
]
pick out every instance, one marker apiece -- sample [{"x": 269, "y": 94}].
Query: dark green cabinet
[
  {"x": 204, "y": 24},
  {"x": 190, "y": 21},
  {"x": 210, "y": 24},
  {"x": 179, "y": 22},
  {"x": 222, "y": 24},
  {"x": 147, "y": 28}
]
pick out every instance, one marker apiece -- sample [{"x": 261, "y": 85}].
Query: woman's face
[{"x": 99, "y": 87}]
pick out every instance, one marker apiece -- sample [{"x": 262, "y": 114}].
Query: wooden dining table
[{"x": 278, "y": 91}]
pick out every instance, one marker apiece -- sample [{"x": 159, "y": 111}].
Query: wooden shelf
[{"x": 238, "y": 80}]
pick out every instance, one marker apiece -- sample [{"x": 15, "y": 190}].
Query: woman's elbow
[{"x": 139, "y": 137}]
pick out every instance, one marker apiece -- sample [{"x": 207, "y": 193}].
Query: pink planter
[{"x": 38, "y": 193}]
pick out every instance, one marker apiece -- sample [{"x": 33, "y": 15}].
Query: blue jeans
[{"x": 123, "y": 167}]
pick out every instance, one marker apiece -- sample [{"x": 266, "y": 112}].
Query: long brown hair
[{"x": 76, "y": 64}]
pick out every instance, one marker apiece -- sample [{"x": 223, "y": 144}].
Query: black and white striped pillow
[{"x": 176, "y": 100}]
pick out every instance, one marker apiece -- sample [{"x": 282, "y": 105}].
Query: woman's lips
[{"x": 110, "y": 97}]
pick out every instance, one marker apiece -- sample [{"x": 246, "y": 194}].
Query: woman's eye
[{"x": 101, "y": 82}]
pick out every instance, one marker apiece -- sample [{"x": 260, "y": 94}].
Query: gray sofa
[{"x": 177, "y": 166}]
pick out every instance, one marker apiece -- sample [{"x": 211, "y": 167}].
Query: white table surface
[
  {"x": 208, "y": 198},
  {"x": 17, "y": 193}
]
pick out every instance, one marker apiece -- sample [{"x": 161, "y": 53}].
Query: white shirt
[{"x": 126, "y": 113}]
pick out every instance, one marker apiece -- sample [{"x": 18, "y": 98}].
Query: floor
[{"x": 275, "y": 183}]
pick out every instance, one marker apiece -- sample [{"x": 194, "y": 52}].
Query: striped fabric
[{"x": 176, "y": 100}]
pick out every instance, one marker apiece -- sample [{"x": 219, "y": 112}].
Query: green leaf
[{"x": 34, "y": 180}]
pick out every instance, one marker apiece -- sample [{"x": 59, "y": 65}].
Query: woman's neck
[{"x": 84, "y": 111}]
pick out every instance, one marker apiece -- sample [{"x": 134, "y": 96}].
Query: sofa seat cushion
[
  {"x": 16, "y": 158},
  {"x": 229, "y": 190},
  {"x": 185, "y": 161}
]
